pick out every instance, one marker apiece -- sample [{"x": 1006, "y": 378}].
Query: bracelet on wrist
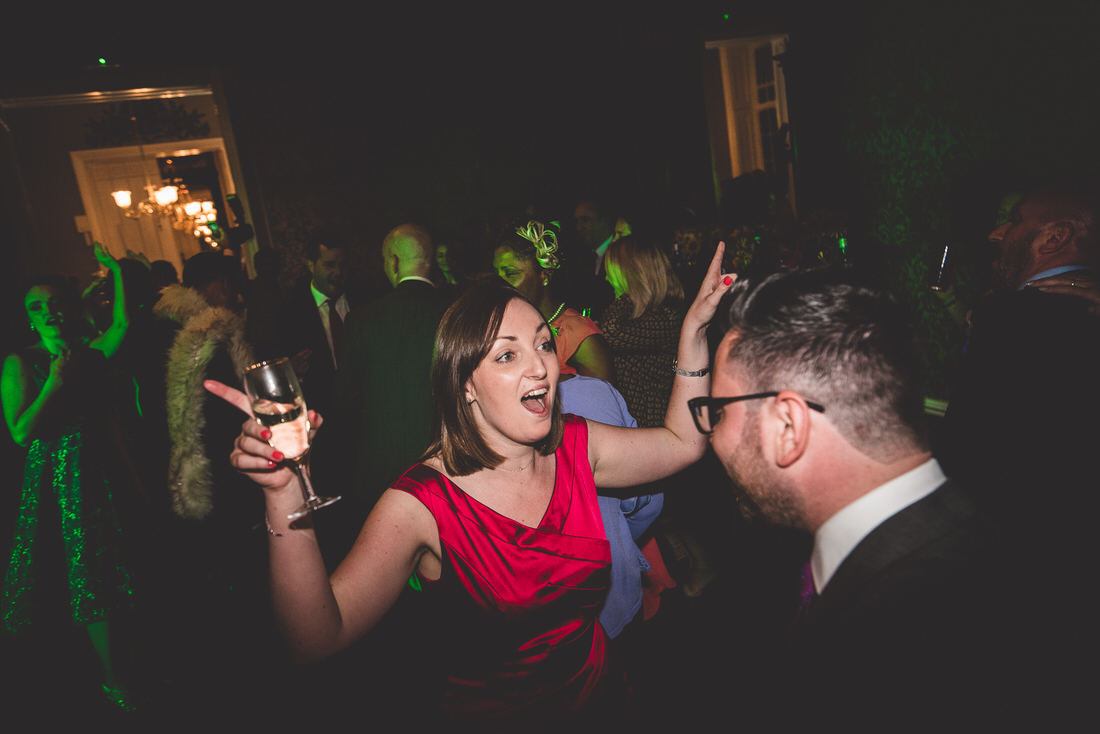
[
  {"x": 690, "y": 373},
  {"x": 271, "y": 530}
]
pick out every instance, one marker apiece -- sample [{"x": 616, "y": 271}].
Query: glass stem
[{"x": 302, "y": 467}]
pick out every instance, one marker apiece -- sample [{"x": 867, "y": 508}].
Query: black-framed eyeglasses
[{"x": 708, "y": 411}]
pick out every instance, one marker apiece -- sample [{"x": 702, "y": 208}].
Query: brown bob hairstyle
[{"x": 466, "y": 334}]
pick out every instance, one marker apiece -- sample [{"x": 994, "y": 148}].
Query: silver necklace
[{"x": 522, "y": 468}]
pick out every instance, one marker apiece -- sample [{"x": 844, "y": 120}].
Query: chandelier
[
  {"x": 171, "y": 201},
  {"x": 174, "y": 203}
]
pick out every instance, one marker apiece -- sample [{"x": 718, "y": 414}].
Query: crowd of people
[{"x": 528, "y": 457}]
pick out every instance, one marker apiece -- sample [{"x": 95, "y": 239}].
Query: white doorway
[
  {"x": 747, "y": 111},
  {"x": 102, "y": 171}
]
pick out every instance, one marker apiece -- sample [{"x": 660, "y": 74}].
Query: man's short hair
[
  {"x": 837, "y": 338},
  {"x": 331, "y": 240},
  {"x": 603, "y": 208}
]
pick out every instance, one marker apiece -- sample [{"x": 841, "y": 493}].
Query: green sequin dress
[{"x": 68, "y": 545}]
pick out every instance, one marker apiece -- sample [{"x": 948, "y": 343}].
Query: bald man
[{"x": 383, "y": 389}]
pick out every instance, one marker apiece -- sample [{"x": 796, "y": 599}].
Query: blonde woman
[{"x": 642, "y": 325}]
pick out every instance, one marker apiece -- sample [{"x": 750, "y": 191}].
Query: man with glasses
[{"x": 816, "y": 412}]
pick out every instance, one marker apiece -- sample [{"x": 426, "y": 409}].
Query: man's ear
[
  {"x": 1054, "y": 237},
  {"x": 792, "y": 428}
]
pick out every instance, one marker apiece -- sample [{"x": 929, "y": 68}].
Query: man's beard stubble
[
  {"x": 1013, "y": 265},
  {"x": 767, "y": 496}
]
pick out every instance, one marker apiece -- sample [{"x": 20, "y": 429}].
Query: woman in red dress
[{"x": 499, "y": 520}]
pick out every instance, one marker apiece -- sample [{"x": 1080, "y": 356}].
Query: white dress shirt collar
[
  {"x": 416, "y": 277},
  {"x": 320, "y": 298},
  {"x": 842, "y": 532},
  {"x": 602, "y": 249}
]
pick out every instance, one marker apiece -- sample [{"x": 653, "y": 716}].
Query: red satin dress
[{"x": 517, "y": 604}]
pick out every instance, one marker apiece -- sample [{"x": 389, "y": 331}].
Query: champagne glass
[{"x": 277, "y": 404}]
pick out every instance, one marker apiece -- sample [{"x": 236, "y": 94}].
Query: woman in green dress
[{"x": 56, "y": 403}]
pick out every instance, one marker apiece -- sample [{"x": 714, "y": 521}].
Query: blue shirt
[
  {"x": 624, "y": 521},
  {"x": 1051, "y": 272}
]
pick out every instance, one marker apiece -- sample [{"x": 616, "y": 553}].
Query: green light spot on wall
[
  {"x": 842, "y": 244},
  {"x": 102, "y": 62}
]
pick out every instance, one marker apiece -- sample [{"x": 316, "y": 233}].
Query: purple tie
[{"x": 807, "y": 594}]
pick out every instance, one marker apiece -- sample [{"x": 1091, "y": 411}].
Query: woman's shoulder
[
  {"x": 671, "y": 308},
  {"x": 28, "y": 359},
  {"x": 572, "y": 421},
  {"x": 575, "y": 429},
  {"x": 30, "y": 353},
  {"x": 620, "y": 304},
  {"x": 574, "y": 323},
  {"x": 573, "y": 315},
  {"x": 422, "y": 473},
  {"x": 667, "y": 315}
]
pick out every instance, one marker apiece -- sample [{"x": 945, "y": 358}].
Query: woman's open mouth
[{"x": 536, "y": 401}]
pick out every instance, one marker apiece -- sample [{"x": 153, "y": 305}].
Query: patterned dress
[
  {"x": 644, "y": 349},
  {"x": 67, "y": 545}
]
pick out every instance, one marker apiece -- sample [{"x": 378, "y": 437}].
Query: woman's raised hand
[
  {"x": 710, "y": 292},
  {"x": 103, "y": 257},
  {"x": 252, "y": 454},
  {"x": 61, "y": 366}
]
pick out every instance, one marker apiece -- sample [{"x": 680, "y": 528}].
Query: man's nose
[{"x": 999, "y": 233}]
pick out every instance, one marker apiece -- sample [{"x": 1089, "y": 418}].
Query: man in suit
[
  {"x": 1019, "y": 414},
  {"x": 383, "y": 388},
  {"x": 816, "y": 412},
  {"x": 309, "y": 326},
  {"x": 381, "y": 421},
  {"x": 1021, "y": 427},
  {"x": 595, "y": 224}
]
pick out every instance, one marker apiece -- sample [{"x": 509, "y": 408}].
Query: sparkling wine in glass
[{"x": 278, "y": 405}]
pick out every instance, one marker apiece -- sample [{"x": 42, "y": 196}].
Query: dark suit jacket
[
  {"x": 298, "y": 326},
  {"x": 1022, "y": 431},
  {"x": 1022, "y": 428},
  {"x": 581, "y": 287},
  {"x": 383, "y": 389},
  {"x": 910, "y": 631}
]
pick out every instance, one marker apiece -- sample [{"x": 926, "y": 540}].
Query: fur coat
[{"x": 203, "y": 330}]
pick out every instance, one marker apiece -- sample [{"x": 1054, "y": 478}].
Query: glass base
[{"x": 314, "y": 503}]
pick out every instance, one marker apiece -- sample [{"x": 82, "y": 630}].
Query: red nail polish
[
  {"x": 727, "y": 280},
  {"x": 277, "y": 456},
  {"x": 265, "y": 434},
  {"x": 271, "y": 463}
]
